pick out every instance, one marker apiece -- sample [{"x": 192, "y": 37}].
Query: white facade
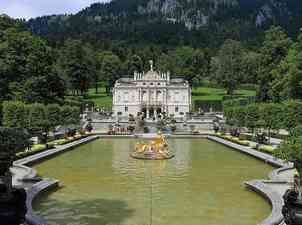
[{"x": 153, "y": 94}]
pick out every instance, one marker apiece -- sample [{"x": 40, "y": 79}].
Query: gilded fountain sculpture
[{"x": 156, "y": 149}]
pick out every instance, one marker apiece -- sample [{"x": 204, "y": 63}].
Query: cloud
[{"x": 34, "y": 8}]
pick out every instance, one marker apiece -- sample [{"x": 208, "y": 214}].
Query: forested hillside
[
  {"x": 198, "y": 23},
  {"x": 230, "y": 44}
]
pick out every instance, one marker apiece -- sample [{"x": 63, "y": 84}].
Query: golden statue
[{"x": 155, "y": 149}]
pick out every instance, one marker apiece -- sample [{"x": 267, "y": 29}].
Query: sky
[{"x": 33, "y": 8}]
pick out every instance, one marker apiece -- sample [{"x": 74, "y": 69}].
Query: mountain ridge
[{"x": 174, "y": 21}]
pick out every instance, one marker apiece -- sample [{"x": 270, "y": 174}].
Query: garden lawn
[
  {"x": 201, "y": 93},
  {"x": 216, "y": 94},
  {"x": 100, "y": 99}
]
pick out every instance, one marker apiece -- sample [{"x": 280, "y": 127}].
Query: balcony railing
[{"x": 157, "y": 103}]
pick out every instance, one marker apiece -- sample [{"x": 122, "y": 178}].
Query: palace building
[{"x": 152, "y": 93}]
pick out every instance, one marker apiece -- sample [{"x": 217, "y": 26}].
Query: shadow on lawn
[
  {"x": 97, "y": 96},
  {"x": 200, "y": 94},
  {"x": 234, "y": 95},
  {"x": 96, "y": 211}
]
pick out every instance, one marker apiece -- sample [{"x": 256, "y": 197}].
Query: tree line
[
  {"x": 270, "y": 116},
  {"x": 38, "y": 117},
  {"x": 33, "y": 71}
]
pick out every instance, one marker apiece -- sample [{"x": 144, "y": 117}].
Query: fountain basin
[{"x": 202, "y": 183}]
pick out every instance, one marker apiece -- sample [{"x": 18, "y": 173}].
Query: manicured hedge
[
  {"x": 248, "y": 137},
  {"x": 266, "y": 148},
  {"x": 34, "y": 150},
  {"x": 41, "y": 147},
  {"x": 206, "y": 105},
  {"x": 231, "y": 102},
  {"x": 263, "y": 148},
  {"x": 64, "y": 141},
  {"x": 234, "y": 139},
  {"x": 270, "y": 116}
]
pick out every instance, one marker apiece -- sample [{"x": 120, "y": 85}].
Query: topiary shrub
[{"x": 266, "y": 148}]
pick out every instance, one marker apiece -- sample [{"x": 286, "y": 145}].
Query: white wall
[{"x": 130, "y": 97}]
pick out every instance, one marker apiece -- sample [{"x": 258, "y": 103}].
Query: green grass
[
  {"x": 100, "y": 99},
  {"x": 201, "y": 93},
  {"x": 205, "y": 93}
]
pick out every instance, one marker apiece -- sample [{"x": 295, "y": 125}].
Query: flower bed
[
  {"x": 37, "y": 148},
  {"x": 234, "y": 139},
  {"x": 262, "y": 148},
  {"x": 34, "y": 150},
  {"x": 266, "y": 148}
]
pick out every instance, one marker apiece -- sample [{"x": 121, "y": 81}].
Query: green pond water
[{"x": 202, "y": 184}]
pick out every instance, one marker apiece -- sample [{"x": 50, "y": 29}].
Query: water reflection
[
  {"x": 121, "y": 160},
  {"x": 103, "y": 185}
]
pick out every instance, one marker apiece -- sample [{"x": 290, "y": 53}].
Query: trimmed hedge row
[
  {"x": 40, "y": 147},
  {"x": 262, "y": 148},
  {"x": 34, "y": 150},
  {"x": 266, "y": 148},
  {"x": 237, "y": 102},
  {"x": 64, "y": 141},
  {"x": 234, "y": 139},
  {"x": 218, "y": 105},
  {"x": 270, "y": 116},
  {"x": 206, "y": 105},
  {"x": 32, "y": 116}
]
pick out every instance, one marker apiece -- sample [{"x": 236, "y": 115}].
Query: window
[
  {"x": 126, "y": 108},
  {"x": 151, "y": 83},
  {"x": 181, "y": 113},
  {"x": 126, "y": 96},
  {"x": 144, "y": 83},
  {"x": 119, "y": 113},
  {"x": 176, "y": 109},
  {"x": 158, "y": 83}
]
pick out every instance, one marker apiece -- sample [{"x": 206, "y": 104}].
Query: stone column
[
  {"x": 166, "y": 102},
  {"x": 154, "y": 95},
  {"x": 147, "y": 112},
  {"x": 148, "y": 96}
]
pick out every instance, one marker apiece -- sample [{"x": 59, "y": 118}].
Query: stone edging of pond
[
  {"x": 166, "y": 135},
  {"x": 41, "y": 187},
  {"x": 45, "y": 184},
  {"x": 36, "y": 158},
  {"x": 276, "y": 201},
  {"x": 260, "y": 186},
  {"x": 274, "y": 174}
]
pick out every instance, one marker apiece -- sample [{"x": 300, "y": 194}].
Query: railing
[{"x": 157, "y": 103}]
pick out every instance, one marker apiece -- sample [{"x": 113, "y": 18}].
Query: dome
[{"x": 151, "y": 75}]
